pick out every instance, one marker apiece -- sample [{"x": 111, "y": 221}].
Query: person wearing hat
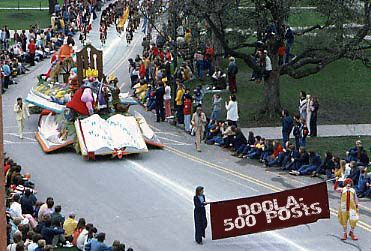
[
  {"x": 198, "y": 123},
  {"x": 348, "y": 209},
  {"x": 21, "y": 113},
  {"x": 200, "y": 214}
]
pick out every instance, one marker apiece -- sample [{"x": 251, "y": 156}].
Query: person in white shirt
[
  {"x": 232, "y": 110},
  {"x": 268, "y": 65},
  {"x": 167, "y": 100},
  {"x": 21, "y": 113},
  {"x": 83, "y": 237},
  {"x": 17, "y": 212}
]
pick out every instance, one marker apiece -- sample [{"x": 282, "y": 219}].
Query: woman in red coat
[{"x": 32, "y": 51}]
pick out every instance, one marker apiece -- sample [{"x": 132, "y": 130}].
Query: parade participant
[
  {"x": 103, "y": 33},
  {"x": 65, "y": 50},
  {"x": 21, "y": 113},
  {"x": 129, "y": 36},
  {"x": 200, "y": 214},
  {"x": 348, "y": 209},
  {"x": 198, "y": 122}
]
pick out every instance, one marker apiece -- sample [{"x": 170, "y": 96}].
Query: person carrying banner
[
  {"x": 348, "y": 210},
  {"x": 200, "y": 214}
]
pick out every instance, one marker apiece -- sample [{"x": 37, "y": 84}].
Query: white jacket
[
  {"x": 21, "y": 113},
  {"x": 232, "y": 110}
]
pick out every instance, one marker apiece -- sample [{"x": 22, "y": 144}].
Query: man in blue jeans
[
  {"x": 314, "y": 163},
  {"x": 287, "y": 125}
]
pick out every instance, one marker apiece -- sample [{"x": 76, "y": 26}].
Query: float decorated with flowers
[{"x": 80, "y": 107}]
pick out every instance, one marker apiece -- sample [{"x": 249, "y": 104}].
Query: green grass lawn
[
  {"x": 66, "y": 249},
  {"x": 343, "y": 89},
  {"x": 23, "y": 3},
  {"x": 305, "y": 18},
  {"x": 337, "y": 145},
  {"x": 22, "y": 19}
]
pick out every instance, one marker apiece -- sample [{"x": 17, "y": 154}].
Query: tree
[{"x": 341, "y": 35}]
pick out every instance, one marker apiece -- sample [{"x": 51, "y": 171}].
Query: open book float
[
  {"x": 50, "y": 135},
  {"x": 149, "y": 136},
  {"x": 119, "y": 135}
]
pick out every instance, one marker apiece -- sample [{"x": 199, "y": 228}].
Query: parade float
[{"x": 83, "y": 108}]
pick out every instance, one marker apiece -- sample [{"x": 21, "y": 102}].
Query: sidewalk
[{"x": 323, "y": 131}]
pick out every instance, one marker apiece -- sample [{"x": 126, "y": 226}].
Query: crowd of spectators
[
  {"x": 35, "y": 225},
  {"x": 152, "y": 79},
  {"x": 293, "y": 157},
  {"x": 19, "y": 50}
]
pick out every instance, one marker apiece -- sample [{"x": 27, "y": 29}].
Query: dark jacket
[
  {"x": 239, "y": 140},
  {"x": 328, "y": 164},
  {"x": 57, "y": 219},
  {"x": 354, "y": 174},
  {"x": 48, "y": 233},
  {"x": 315, "y": 160},
  {"x": 287, "y": 124},
  {"x": 199, "y": 218},
  {"x": 303, "y": 158},
  {"x": 159, "y": 94},
  {"x": 28, "y": 203},
  {"x": 232, "y": 69},
  {"x": 289, "y": 36}
]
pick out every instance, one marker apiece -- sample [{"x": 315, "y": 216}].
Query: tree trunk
[
  {"x": 271, "y": 99},
  {"x": 218, "y": 49}
]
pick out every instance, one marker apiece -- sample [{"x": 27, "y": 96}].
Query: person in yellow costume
[{"x": 348, "y": 209}]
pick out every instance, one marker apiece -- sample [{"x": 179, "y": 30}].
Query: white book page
[
  {"x": 97, "y": 134},
  {"x": 125, "y": 132}
]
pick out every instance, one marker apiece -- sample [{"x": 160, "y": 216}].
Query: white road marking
[
  {"x": 19, "y": 143},
  {"x": 175, "y": 141},
  {"x": 188, "y": 194},
  {"x": 176, "y": 144},
  {"x": 14, "y": 134},
  {"x": 169, "y": 133}
]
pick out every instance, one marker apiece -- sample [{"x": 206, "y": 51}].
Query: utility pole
[{"x": 3, "y": 233}]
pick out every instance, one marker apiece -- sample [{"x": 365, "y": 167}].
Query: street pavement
[{"x": 146, "y": 200}]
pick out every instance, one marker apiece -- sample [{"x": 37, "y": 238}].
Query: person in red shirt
[
  {"x": 281, "y": 53},
  {"x": 7, "y": 166},
  {"x": 154, "y": 51},
  {"x": 208, "y": 59},
  {"x": 187, "y": 110},
  {"x": 32, "y": 51}
]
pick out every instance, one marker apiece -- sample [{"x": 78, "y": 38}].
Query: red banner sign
[{"x": 270, "y": 211}]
